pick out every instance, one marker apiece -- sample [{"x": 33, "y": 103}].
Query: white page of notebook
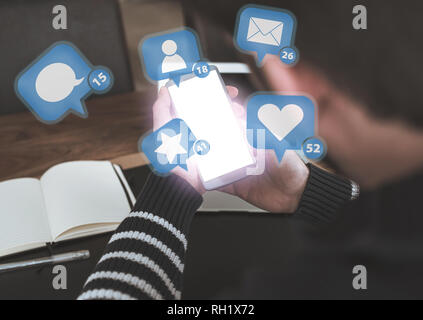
[
  {"x": 23, "y": 219},
  {"x": 83, "y": 193}
]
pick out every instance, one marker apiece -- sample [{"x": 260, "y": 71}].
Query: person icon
[{"x": 172, "y": 61}]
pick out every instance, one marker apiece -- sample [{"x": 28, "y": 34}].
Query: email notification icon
[{"x": 265, "y": 31}]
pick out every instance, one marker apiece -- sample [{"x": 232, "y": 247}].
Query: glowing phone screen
[{"x": 204, "y": 105}]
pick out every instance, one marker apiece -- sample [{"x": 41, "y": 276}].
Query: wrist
[
  {"x": 192, "y": 178},
  {"x": 170, "y": 198},
  {"x": 302, "y": 177},
  {"x": 324, "y": 194}
]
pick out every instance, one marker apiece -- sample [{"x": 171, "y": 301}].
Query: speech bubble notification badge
[
  {"x": 169, "y": 146},
  {"x": 285, "y": 120},
  {"x": 53, "y": 91},
  {"x": 266, "y": 30},
  {"x": 169, "y": 55},
  {"x": 58, "y": 82}
]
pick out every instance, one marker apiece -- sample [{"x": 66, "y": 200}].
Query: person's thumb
[{"x": 162, "y": 113}]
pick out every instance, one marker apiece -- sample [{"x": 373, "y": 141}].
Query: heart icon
[{"x": 280, "y": 122}]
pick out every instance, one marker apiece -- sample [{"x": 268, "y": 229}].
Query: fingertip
[
  {"x": 162, "y": 109},
  {"x": 163, "y": 101},
  {"x": 163, "y": 90},
  {"x": 232, "y": 91}
]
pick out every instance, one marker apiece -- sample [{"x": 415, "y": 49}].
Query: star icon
[{"x": 171, "y": 146}]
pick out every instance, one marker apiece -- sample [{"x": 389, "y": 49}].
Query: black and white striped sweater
[{"x": 144, "y": 258}]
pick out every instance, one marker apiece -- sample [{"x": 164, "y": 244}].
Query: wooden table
[{"x": 113, "y": 127}]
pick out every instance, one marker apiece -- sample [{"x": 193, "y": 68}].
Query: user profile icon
[
  {"x": 169, "y": 55},
  {"x": 173, "y": 61}
]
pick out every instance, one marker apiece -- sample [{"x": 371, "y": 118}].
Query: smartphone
[{"x": 205, "y": 106}]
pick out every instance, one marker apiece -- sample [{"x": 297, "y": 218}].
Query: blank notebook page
[
  {"x": 23, "y": 220},
  {"x": 83, "y": 193}
]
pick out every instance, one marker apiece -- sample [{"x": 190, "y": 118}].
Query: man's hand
[{"x": 278, "y": 189}]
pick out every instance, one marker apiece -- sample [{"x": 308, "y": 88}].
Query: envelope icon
[{"x": 265, "y": 31}]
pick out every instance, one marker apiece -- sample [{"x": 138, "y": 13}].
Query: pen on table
[{"x": 53, "y": 259}]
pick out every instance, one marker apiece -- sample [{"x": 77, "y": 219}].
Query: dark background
[
  {"x": 381, "y": 65},
  {"x": 26, "y": 31},
  {"x": 234, "y": 255}
]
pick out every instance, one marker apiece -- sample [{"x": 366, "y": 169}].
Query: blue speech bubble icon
[
  {"x": 286, "y": 121},
  {"x": 264, "y": 30},
  {"x": 58, "y": 82},
  {"x": 169, "y": 55},
  {"x": 169, "y": 146}
]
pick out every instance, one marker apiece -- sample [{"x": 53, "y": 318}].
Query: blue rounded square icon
[
  {"x": 169, "y": 146},
  {"x": 264, "y": 30},
  {"x": 279, "y": 122},
  {"x": 169, "y": 55},
  {"x": 58, "y": 82}
]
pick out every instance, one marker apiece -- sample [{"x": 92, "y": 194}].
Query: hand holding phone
[
  {"x": 205, "y": 106},
  {"x": 163, "y": 113},
  {"x": 278, "y": 189}
]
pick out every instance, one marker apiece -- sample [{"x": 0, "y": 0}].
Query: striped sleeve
[
  {"x": 144, "y": 258},
  {"x": 325, "y": 193}
]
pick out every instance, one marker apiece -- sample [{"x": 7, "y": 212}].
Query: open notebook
[{"x": 71, "y": 200}]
